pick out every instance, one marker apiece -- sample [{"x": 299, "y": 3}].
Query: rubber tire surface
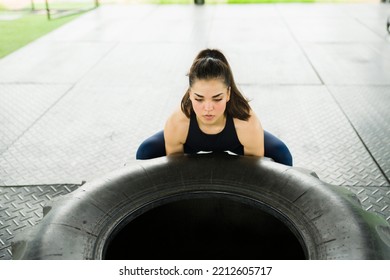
[{"x": 327, "y": 219}]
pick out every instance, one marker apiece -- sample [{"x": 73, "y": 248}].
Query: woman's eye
[
  {"x": 199, "y": 100},
  {"x": 217, "y": 100}
]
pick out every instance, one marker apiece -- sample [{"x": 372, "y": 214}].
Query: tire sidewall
[{"x": 323, "y": 218}]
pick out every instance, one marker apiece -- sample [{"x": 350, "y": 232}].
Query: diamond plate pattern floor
[
  {"x": 76, "y": 141},
  {"x": 16, "y": 100},
  {"x": 374, "y": 199},
  {"x": 76, "y": 103},
  {"x": 21, "y": 207},
  {"x": 367, "y": 108},
  {"x": 317, "y": 132}
]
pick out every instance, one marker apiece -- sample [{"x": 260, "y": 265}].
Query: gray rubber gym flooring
[{"x": 76, "y": 103}]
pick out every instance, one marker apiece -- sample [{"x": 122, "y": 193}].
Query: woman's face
[{"x": 209, "y": 98}]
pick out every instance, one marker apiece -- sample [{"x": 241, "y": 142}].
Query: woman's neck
[{"x": 212, "y": 128}]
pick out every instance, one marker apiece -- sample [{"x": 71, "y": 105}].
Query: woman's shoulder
[
  {"x": 175, "y": 132},
  {"x": 252, "y": 122},
  {"x": 177, "y": 123},
  {"x": 178, "y": 118}
]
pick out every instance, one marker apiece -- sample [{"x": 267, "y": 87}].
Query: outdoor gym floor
[{"x": 76, "y": 103}]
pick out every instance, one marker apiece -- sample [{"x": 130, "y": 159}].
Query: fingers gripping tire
[{"x": 206, "y": 207}]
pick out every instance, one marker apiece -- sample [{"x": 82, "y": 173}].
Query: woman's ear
[{"x": 228, "y": 94}]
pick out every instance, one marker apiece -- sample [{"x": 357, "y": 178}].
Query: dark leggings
[{"x": 274, "y": 148}]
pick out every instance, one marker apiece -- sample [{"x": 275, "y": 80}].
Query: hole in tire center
[{"x": 204, "y": 228}]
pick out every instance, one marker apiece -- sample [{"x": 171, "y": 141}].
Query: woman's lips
[{"x": 208, "y": 117}]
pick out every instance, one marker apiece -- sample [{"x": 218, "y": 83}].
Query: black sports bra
[{"x": 226, "y": 140}]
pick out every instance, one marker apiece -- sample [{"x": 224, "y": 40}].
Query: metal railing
[
  {"x": 53, "y": 13},
  {"x": 57, "y": 13}
]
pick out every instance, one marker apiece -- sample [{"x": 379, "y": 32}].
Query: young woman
[{"x": 214, "y": 117}]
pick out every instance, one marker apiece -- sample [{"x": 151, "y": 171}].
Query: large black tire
[{"x": 206, "y": 207}]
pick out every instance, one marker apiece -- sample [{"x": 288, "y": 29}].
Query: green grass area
[
  {"x": 16, "y": 33},
  {"x": 18, "y": 28}
]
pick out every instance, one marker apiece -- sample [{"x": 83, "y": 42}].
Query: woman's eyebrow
[
  {"x": 214, "y": 96},
  {"x": 217, "y": 95}
]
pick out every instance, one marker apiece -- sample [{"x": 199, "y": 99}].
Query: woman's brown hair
[{"x": 212, "y": 64}]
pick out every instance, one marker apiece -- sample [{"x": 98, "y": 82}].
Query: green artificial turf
[{"x": 16, "y": 33}]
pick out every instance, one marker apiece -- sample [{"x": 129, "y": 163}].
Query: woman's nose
[{"x": 208, "y": 106}]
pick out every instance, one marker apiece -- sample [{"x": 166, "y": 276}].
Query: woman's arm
[
  {"x": 251, "y": 135},
  {"x": 175, "y": 132}
]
